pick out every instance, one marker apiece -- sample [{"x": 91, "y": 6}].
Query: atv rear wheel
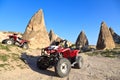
[
  {"x": 43, "y": 62},
  {"x": 4, "y": 41},
  {"x": 63, "y": 67},
  {"x": 9, "y": 41},
  {"x": 79, "y": 63}
]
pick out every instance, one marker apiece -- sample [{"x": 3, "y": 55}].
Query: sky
[{"x": 67, "y": 18}]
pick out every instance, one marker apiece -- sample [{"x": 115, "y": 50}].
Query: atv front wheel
[
  {"x": 63, "y": 67},
  {"x": 25, "y": 46},
  {"x": 43, "y": 62},
  {"x": 79, "y": 63}
]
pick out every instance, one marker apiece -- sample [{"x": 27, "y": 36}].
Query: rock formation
[
  {"x": 82, "y": 41},
  {"x": 55, "y": 38},
  {"x": 52, "y": 36},
  {"x": 115, "y": 36},
  {"x": 105, "y": 40},
  {"x": 36, "y": 32}
]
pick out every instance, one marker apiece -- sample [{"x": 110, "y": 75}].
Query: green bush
[
  {"x": 4, "y": 47},
  {"x": 4, "y": 57},
  {"x": 2, "y": 65}
]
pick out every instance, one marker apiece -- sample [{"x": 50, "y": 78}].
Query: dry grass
[{"x": 106, "y": 53}]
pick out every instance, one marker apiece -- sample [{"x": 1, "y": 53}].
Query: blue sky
[{"x": 65, "y": 17}]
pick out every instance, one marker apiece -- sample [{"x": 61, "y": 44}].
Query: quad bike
[
  {"x": 14, "y": 39},
  {"x": 61, "y": 58}
]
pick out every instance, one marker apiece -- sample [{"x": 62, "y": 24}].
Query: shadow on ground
[{"x": 31, "y": 62}]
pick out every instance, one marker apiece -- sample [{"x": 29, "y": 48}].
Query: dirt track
[{"x": 95, "y": 68}]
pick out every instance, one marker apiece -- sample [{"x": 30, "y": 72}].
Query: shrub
[
  {"x": 2, "y": 65},
  {"x": 4, "y": 47},
  {"x": 4, "y": 57}
]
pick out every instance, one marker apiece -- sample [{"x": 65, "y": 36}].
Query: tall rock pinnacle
[
  {"x": 82, "y": 40},
  {"x": 36, "y": 31},
  {"x": 105, "y": 40}
]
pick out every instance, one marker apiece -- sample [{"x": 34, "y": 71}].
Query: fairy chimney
[
  {"x": 82, "y": 41},
  {"x": 115, "y": 36},
  {"x": 105, "y": 40},
  {"x": 36, "y": 32},
  {"x": 52, "y": 36}
]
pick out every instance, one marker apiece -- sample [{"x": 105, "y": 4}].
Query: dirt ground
[{"x": 95, "y": 68}]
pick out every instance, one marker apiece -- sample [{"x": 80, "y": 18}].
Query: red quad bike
[
  {"x": 14, "y": 39},
  {"x": 61, "y": 58}
]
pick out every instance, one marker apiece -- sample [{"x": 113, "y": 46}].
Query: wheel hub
[
  {"x": 63, "y": 67},
  {"x": 9, "y": 42}
]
